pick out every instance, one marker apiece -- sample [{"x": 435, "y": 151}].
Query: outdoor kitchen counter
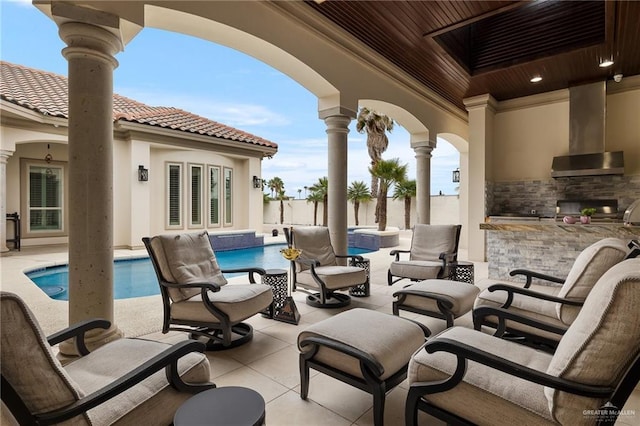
[{"x": 544, "y": 246}]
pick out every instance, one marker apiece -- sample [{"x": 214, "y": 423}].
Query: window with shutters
[
  {"x": 214, "y": 196},
  {"x": 174, "y": 195},
  {"x": 195, "y": 195},
  {"x": 228, "y": 196},
  {"x": 45, "y": 198}
]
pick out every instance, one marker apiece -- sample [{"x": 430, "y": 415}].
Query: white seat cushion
[
  {"x": 334, "y": 277},
  {"x": 416, "y": 269},
  {"x": 460, "y": 295}
]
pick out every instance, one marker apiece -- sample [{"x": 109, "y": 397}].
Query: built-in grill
[{"x": 606, "y": 210}]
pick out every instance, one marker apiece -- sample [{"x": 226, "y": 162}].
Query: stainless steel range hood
[{"x": 587, "y": 157}]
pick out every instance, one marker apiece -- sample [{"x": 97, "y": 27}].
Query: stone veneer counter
[{"x": 541, "y": 246}]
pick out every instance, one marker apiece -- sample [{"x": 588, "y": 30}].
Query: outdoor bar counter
[{"x": 548, "y": 247}]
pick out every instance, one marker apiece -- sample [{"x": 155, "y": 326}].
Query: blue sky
[{"x": 168, "y": 69}]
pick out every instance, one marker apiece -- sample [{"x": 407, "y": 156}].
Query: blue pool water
[{"x": 136, "y": 277}]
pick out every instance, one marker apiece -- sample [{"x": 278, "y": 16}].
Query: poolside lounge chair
[
  {"x": 317, "y": 268},
  {"x": 128, "y": 381},
  {"x": 542, "y": 313},
  {"x": 433, "y": 253},
  {"x": 464, "y": 376},
  {"x": 195, "y": 294}
]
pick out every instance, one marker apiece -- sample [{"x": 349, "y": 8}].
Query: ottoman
[
  {"x": 443, "y": 299},
  {"x": 363, "y": 348}
]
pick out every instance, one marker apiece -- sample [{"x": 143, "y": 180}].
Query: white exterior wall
[{"x": 299, "y": 212}]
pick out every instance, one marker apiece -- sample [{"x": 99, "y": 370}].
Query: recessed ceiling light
[
  {"x": 606, "y": 63},
  {"x": 536, "y": 79}
]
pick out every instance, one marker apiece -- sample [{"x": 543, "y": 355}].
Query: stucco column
[
  {"x": 481, "y": 116},
  {"x": 337, "y": 130},
  {"x": 423, "y": 151},
  {"x": 91, "y": 63},
  {"x": 4, "y": 157}
]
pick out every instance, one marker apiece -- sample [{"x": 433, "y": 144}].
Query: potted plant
[{"x": 585, "y": 214}]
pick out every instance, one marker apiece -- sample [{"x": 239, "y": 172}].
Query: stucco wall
[
  {"x": 527, "y": 138},
  {"x": 444, "y": 210}
]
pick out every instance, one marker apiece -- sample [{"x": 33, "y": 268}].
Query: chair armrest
[
  {"x": 78, "y": 331},
  {"x": 479, "y": 315},
  {"x": 532, "y": 274},
  {"x": 466, "y": 352},
  {"x": 365, "y": 359},
  {"x": 249, "y": 271},
  {"x": 204, "y": 286},
  {"x": 634, "y": 249},
  {"x": 511, "y": 290},
  {"x": 448, "y": 257},
  {"x": 397, "y": 253},
  {"x": 167, "y": 359}
]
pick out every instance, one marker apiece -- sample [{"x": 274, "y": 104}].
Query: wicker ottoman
[
  {"x": 363, "y": 348},
  {"x": 443, "y": 299}
]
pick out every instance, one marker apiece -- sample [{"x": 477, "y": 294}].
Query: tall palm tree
[
  {"x": 405, "y": 190},
  {"x": 277, "y": 185},
  {"x": 358, "y": 192},
  {"x": 375, "y": 125},
  {"x": 322, "y": 187},
  {"x": 315, "y": 198},
  {"x": 388, "y": 172}
]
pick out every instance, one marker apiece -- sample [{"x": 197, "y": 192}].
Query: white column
[
  {"x": 91, "y": 63},
  {"x": 481, "y": 115},
  {"x": 423, "y": 179},
  {"x": 337, "y": 130},
  {"x": 4, "y": 157}
]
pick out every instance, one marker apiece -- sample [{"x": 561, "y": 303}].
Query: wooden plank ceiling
[{"x": 461, "y": 49}]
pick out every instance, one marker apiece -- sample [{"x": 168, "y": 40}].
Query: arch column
[
  {"x": 90, "y": 51},
  {"x": 423, "y": 151},
  {"x": 4, "y": 157},
  {"x": 337, "y": 130}
]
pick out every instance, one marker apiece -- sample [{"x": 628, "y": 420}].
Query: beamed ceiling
[{"x": 461, "y": 49}]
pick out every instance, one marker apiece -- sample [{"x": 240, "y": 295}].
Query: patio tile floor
[{"x": 269, "y": 363}]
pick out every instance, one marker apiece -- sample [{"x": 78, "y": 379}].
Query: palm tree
[
  {"x": 358, "y": 192},
  {"x": 375, "y": 125},
  {"x": 389, "y": 172},
  {"x": 277, "y": 185},
  {"x": 405, "y": 190},
  {"x": 322, "y": 188},
  {"x": 315, "y": 198}
]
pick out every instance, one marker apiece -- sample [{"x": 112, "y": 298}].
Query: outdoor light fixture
[
  {"x": 257, "y": 182},
  {"x": 143, "y": 174},
  {"x": 606, "y": 63},
  {"x": 456, "y": 176}
]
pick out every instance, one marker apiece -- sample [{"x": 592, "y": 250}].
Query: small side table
[
  {"x": 277, "y": 279},
  {"x": 463, "y": 272},
  {"x": 225, "y": 406},
  {"x": 361, "y": 290}
]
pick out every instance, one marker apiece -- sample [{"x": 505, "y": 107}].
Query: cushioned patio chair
[
  {"x": 433, "y": 253},
  {"x": 542, "y": 313},
  {"x": 465, "y": 376},
  {"x": 317, "y": 268},
  {"x": 195, "y": 295},
  {"x": 126, "y": 381}
]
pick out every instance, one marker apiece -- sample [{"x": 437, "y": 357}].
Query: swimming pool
[{"x": 136, "y": 277}]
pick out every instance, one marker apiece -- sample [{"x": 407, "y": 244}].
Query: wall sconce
[
  {"x": 456, "y": 176},
  {"x": 143, "y": 174},
  {"x": 257, "y": 182}
]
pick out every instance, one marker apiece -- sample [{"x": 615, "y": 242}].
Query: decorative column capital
[
  {"x": 86, "y": 40},
  {"x": 337, "y": 123},
  {"x": 423, "y": 150},
  {"x": 4, "y": 155}
]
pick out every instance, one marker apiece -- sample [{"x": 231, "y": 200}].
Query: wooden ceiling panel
[{"x": 477, "y": 50}]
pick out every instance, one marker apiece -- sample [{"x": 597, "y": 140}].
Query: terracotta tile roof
[{"x": 46, "y": 93}]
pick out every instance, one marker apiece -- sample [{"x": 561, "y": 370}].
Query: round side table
[
  {"x": 278, "y": 280},
  {"x": 463, "y": 272},
  {"x": 225, "y": 406}
]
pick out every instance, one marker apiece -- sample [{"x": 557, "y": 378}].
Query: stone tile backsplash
[{"x": 541, "y": 195}]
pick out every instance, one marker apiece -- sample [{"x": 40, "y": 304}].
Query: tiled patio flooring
[{"x": 269, "y": 363}]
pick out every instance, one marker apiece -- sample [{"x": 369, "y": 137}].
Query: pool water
[{"x": 136, "y": 277}]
